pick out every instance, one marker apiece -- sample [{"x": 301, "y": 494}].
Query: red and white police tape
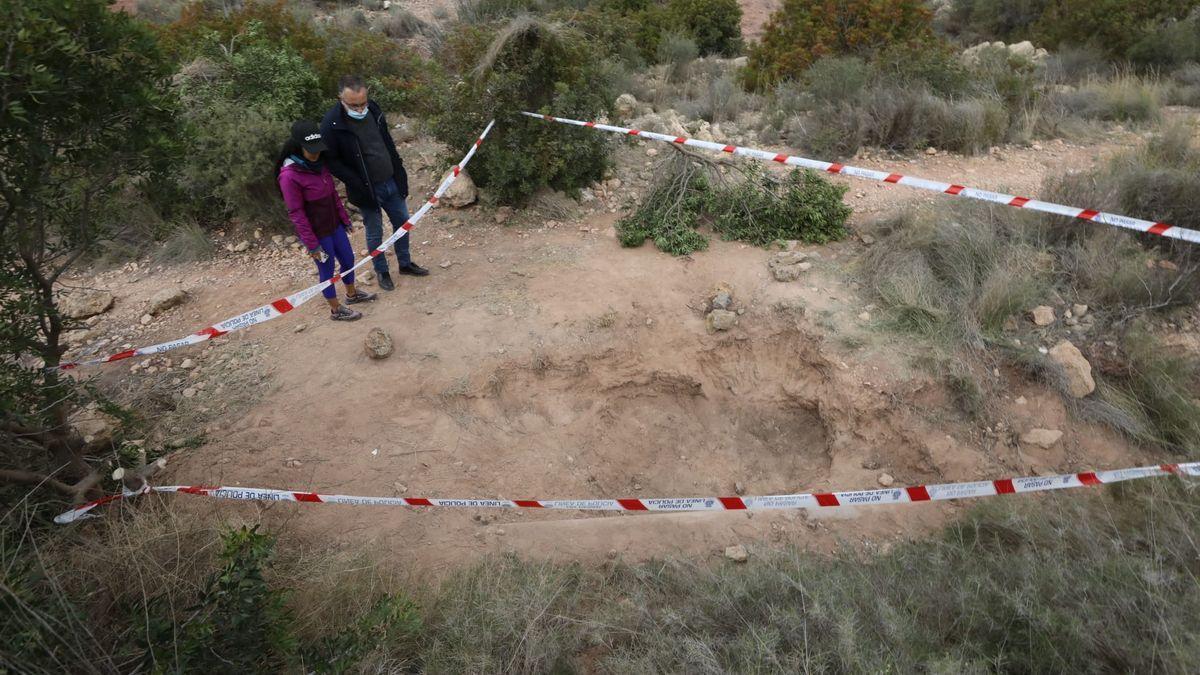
[
  {"x": 1092, "y": 215},
  {"x": 278, "y": 308},
  {"x": 916, "y": 493}
]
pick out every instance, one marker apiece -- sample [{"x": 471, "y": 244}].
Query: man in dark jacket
[{"x": 363, "y": 156}]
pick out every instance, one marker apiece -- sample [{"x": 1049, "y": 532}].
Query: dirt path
[{"x": 541, "y": 360}]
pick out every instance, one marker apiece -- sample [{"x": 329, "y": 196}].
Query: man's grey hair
[{"x": 351, "y": 82}]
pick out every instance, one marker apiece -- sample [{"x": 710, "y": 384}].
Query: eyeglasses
[{"x": 356, "y": 108}]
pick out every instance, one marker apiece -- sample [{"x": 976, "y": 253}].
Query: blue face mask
[{"x": 356, "y": 115}]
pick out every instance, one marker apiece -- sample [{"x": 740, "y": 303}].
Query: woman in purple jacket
[{"x": 318, "y": 215}]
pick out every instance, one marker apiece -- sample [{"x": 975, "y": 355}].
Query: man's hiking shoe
[
  {"x": 413, "y": 269},
  {"x": 359, "y": 297},
  {"x": 385, "y": 282},
  {"x": 344, "y": 313}
]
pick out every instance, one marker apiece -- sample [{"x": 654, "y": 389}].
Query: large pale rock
[
  {"x": 462, "y": 192},
  {"x": 737, "y": 553},
  {"x": 1042, "y": 315},
  {"x": 1077, "y": 369},
  {"x": 1042, "y": 438},
  {"x": 625, "y": 106},
  {"x": 789, "y": 265},
  {"x": 166, "y": 299},
  {"x": 95, "y": 426},
  {"x": 378, "y": 344},
  {"x": 80, "y": 304},
  {"x": 720, "y": 320}
]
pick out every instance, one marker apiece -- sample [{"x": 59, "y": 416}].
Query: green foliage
[
  {"x": 1156, "y": 388},
  {"x": 86, "y": 121},
  {"x": 715, "y": 25},
  {"x": 1115, "y": 26},
  {"x": 527, "y": 64},
  {"x": 239, "y": 622},
  {"x": 765, "y": 208},
  {"x": 393, "y": 624},
  {"x": 758, "y": 207},
  {"x": 677, "y": 51},
  {"x": 803, "y": 31},
  {"x": 671, "y": 211}
]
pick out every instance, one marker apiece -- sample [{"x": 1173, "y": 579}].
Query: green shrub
[
  {"x": 677, "y": 51},
  {"x": 715, "y": 25},
  {"x": 974, "y": 21},
  {"x": 1115, "y": 26},
  {"x": 527, "y": 64},
  {"x": 765, "y": 208},
  {"x": 238, "y": 624},
  {"x": 1126, "y": 98},
  {"x": 758, "y": 207},
  {"x": 802, "y": 31},
  {"x": 1157, "y": 389},
  {"x": 671, "y": 211}
]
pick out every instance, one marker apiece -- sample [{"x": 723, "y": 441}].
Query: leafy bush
[
  {"x": 238, "y": 623},
  {"x": 677, "y": 51},
  {"x": 715, "y": 25},
  {"x": 527, "y": 64},
  {"x": 974, "y": 21},
  {"x": 758, "y": 207},
  {"x": 1115, "y": 26},
  {"x": 765, "y": 208},
  {"x": 803, "y": 31},
  {"x": 671, "y": 211}
]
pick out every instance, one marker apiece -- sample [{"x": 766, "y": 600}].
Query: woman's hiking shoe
[
  {"x": 344, "y": 313},
  {"x": 358, "y": 297}
]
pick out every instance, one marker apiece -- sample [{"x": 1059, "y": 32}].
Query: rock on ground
[
  {"x": 462, "y": 192},
  {"x": 722, "y": 298},
  {"x": 1076, "y": 368},
  {"x": 625, "y": 106},
  {"x": 1042, "y": 315},
  {"x": 720, "y": 319},
  {"x": 788, "y": 265},
  {"x": 166, "y": 299},
  {"x": 1043, "y": 438},
  {"x": 84, "y": 303},
  {"x": 737, "y": 553},
  {"x": 378, "y": 344},
  {"x": 94, "y": 426}
]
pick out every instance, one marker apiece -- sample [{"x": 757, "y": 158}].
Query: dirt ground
[{"x": 542, "y": 360}]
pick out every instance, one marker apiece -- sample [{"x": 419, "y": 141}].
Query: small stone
[
  {"x": 378, "y": 344},
  {"x": 300, "y": 328},
  {"x": 190, "y": 392},
  {"x": 277, "y": 239},
  {"x": 1168, "y": 265},
  {"x": 146, "y": 319},
  {"x": 886, "y": 480},
  {"x": 864, "y": 316},
  {"x": 867, "y": 239},
  {"x": 931, "y": 151},
  {"x": 1043, "y": 438},
  {"x": 445, "y": 264},
  {"x": 738, "y": 488},
  {"x": 722, "y": 298},
  {"x": 870, "y": 464},
  {"x": 720, "y": 320},
  {"x": 258, "y": 234},
  {"x": 1079, "y": 311},
  {"x": 187, "y": 364},
  {"x": 1020, "y": 400},
  {"x": 1042, "y": 315},
  {"x": 651, "y": 152},
  {"x": 241, "y": 246},
  {"x": 737, "y": 553}
]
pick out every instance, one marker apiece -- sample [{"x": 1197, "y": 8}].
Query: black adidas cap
[{"x": 308, "y": 135}]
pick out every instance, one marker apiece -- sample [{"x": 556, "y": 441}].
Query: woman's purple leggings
[{"x": 336, "y": 245}]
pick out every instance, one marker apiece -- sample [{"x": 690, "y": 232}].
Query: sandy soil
[{"x": 542, "y": 360}]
